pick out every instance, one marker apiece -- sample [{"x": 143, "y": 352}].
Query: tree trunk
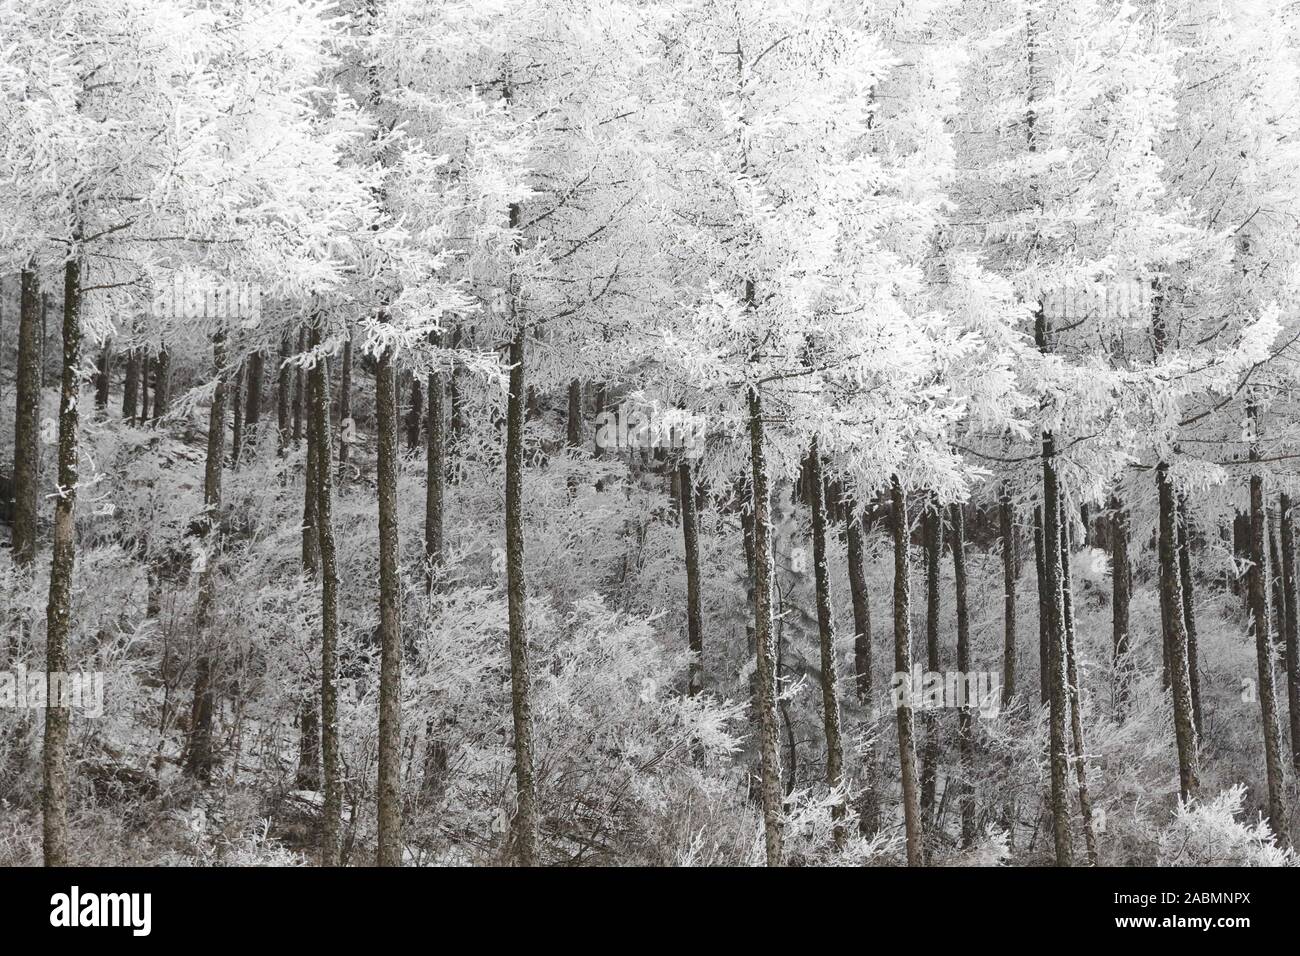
[
  {"x": 903, "y": 665},
  {"x": 283, "y": 389},
  {"x": 869, "y": 805},
  {"x": 299, "y": 396},
  {"x": 255, "y": 374},
  {"x": 413, "y": 415},
  {"x": 104, "y": 377},
  {"x": 198, "y": 762},
  {"x": 1076, "y": 694},
  {"x": 345, "y": 404},
  {"x": 1175, "y": 640},
  {"x": 390, "y": 627},
  {"x": 1121, "y": 591},
  {"x": 1189, "y": 612},
  {"x": 237, "y": 431},
  {"x": 526, "y": 820},
  {"x": 1044, "y": 608},
  {"x": 965, "y": 717},
  {"x": 58, "y": 611},
  {"x": 1263, "y": 639},
  {"x": 131, "y": 384},
  {"x": 1292, "y": 662},
  {"x": 573, "y": 425},
  {"x": 932, "y": 533},
  {"x": 825, "y": 629},
  {"x": 691, "y": 544},
  {"x": 765, "y": 645},
  {"x": 434, "y": 482},
  {"x": 161, "y": 384},
  {"x": 27, "y": 423},
  {"x": 1006, "y": 526},
  {"x": 319, "y": 431}
]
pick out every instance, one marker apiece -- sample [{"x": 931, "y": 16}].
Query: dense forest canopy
[{"x": 617, "y": 432}]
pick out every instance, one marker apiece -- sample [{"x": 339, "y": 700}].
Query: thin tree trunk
[
  {"x": 104, "y": 377},
  {"x": 869, "y": 803},
  {"x": 1263, "y": 639},
  {"x": 1076, "y": 694},
  {"x": 526, "y": 820},
  {"x": 1006, "y": 526},
  {"x": 413, "y": 415},
  {"x": 903, "y": 665},
  {"x": 1189, "y": 613},
  {"x": 319, "y": 431},
  {"x": 161, "y": 385},
  {"x": 573, "y": 425},
  {"x": 1044, "y": 610},
  {"x": 345, "y": 405},
  {"x": 198, "y": 761},
  {"x": 390, "y": 628},
  {"x": 254, "y": 374},
  {"x": 1292, "y": 653},
  {"x": 691, "y": 544},
  {"x": 131, "y": 384},
  {"x": 932, "y": 533},
  {"x": 237, "y": 431},
  {"x": 1121, "y": 591},
  {"x": 58, "y": 611},
  {"x": 299, "y": 396},
  {"x": 825, "y": 629},
  {"x": 765, "y": 649},
  {"x": 1175, "y": 640},
  {"x": 27, "y": 448},
  {"x": 283, "y": 388},
  {"x": 435, "y": 479},
  {"x": 965, "y": 717}
]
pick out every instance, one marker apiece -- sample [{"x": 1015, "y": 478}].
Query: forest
[{"x": 649, "y": 433}]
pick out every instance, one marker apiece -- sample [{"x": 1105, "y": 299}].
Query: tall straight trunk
[
  {"x": 1058, "y": 682},
  {"x": 691, "y": 545},
  {"x": 1292, "y": 653},
  {"x": 142, "y": 407},
  {"x": 764, "y": 637},
  {"x": 869, "y": 803},
  {"x": 27, "y": 400},
  {"x": 162, "y": 384},
  {"x": 299, "y": 397},
  {"x": 965, "y": 717},
  {"x": 573, "y": 424},
  {"x": 310, "y": 499},
  {"x": 319, "y": 434},
  {"x": 1007, "y": 529},
  {"x": 435, "y": 479},
  {"x": 1263, "y": 639},
  {"x": 390, "y": 626},
  {"x": 932, "y": 534},
  {"x": 131, "y": 383},
  {"x": 1276, "y": 590},
  {"x": 1175, "y": 641},
  {"x": 1076, "y": 694},
  {"x": 414, "y": 415},
  {"x": 825, "y": 626},
  {"x": 104, "y": 376},
  {"x": 345, "y": 404},
  {"x": 1189, "y": 610},
  {"x": 198, "y": 760},
  {"x": 903, "y": 665},
  {"x": 1044, "y": 608},
  {"x": 58, "y": 610},
  {"x": 237, "y": 431},
  {"x": 254, "y": 374},
  {"x": 526, "y": 820},
  {"x": 1121, "y": 591},
  {"x": 283, "y": 390}
]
